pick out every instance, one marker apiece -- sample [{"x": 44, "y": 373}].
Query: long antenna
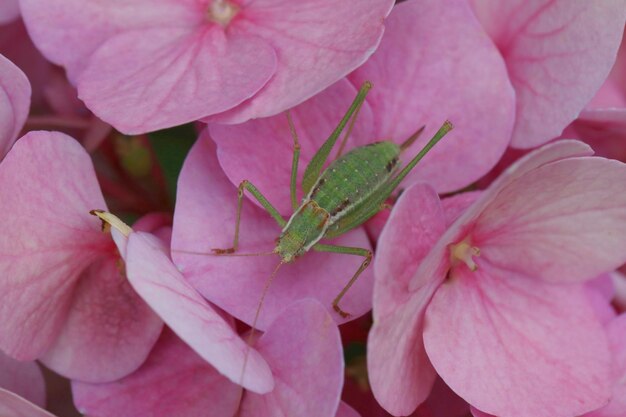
[
  {"x": 253, "y": 329},
  {"x": 188, "y": 252}
]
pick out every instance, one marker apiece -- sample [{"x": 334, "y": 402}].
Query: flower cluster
[{"x": 148, "y": 171}]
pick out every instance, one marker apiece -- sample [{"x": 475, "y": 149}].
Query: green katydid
[{"x": 347, "y": 193}]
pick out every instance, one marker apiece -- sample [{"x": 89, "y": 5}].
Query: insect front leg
[
  {"x": 247, "y": 185},
  {"x": 347, "y": 250}
]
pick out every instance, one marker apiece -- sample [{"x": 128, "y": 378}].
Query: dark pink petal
[
  {"x": 9, "y": 11},
  {"x": 317, "y": 43},
  {"x": 47, "y": 187},
  {"x": 345, "y": 410},
  {"x": 558, "y": 53},
  {"x": 518, "y": 339},
  {"x": 436, "y": 63},
  {"x": 478, "y": 413},
  {"x": 14, "y": 103},
  {"x": 205, "y": 219},
  {"x": 12, "y": 405},
  {"x": 303, "y": 347},
  {"x": 109, "y": 331},
  {"x": 23, "y": 378},
  {"x": 155, "y": 278},
  {"x": 564, "y": 221},
  {"x": 400, "y": 373},
  {"x": 617, "y": 338},
  {"x": 174, "y": 381},
  {"x": 169, "y": 76},
  {"x": 261, "y": 151}
]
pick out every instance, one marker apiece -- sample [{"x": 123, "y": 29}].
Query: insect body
[{"x": 351, "y": 190}]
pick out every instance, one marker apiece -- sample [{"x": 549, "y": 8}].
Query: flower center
[
  {"x": 464, "y": 252},
  {"x": 222, "y": 12}
]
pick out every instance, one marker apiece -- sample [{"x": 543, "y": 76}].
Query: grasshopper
[{"x": 352, "y": 189}]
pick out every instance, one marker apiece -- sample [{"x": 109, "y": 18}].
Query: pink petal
[
  {"x": 558, "y": 54},
  {"x": 617, "y": 338},
  {"x": 109, "y": 331},
  {"x": 174, "y": 381},
  {"x": 345, "y": 410},
  {"x": 9, "y": 11},
  {"x": 564, "y": 221},
  {"x": 416, "y": 83},
  {"x": 478, "y": 413},
  {"x": 169, "y": 76},
  {"x": 521, "y": 339},
  {"x": 303, "y": 347},
  {"x": 599, "y": 300},
  {"x": 14, "y": 103},
  {"x": 47, "y": 187},
  {"x": 204, "y": 219},
  {"x": 317, "y": 43},
  {"x": 399, "y": 370},
  {"x": 261, "y": 151},
  {"x": 12, "y": 405},
  {"x": 456, "y": 205},
  {"x": 161, "y": 285},
  {"x": 23, "y": 378}
]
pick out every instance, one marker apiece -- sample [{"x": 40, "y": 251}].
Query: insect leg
[
  {"x": 367, "y": 254},
  {"x": 247, "y": 185},
  {"x": 294, "y": 163}
]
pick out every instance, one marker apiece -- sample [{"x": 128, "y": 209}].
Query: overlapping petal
[
  {"x": 205, "y": 219},
  {"x": 557, "y": 52},
  {"x": 161, "y": 285},
  {"x": 144, "y": 65},
  {"x": 23, "y": 378},
  {"x": 14, "y": 103},
  {"x": 416, "y": 84},
  {"x": 9, "y": 11},
  {"x": 12, "y": 405},
  {"x": 174, "y": 381},
  {"x": 303, "y": 347}
]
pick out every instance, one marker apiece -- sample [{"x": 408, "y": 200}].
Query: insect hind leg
[{"x": 346, "y": 250}]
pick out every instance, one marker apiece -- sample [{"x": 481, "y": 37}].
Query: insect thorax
[{"x": 306, "y": 227}]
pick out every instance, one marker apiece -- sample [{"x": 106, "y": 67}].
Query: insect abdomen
[{"x": 354, "y": 177}]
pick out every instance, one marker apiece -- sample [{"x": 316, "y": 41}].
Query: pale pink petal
[
  {"x": 600, "y": 292},
  {"x": 400, "y": 373},
  {"x": 416, "y": 223},
  {"x": 173, "y": 381},
  {"x": 14, "y": 103},
  {"x": 9, "y": 11},
  {"x": 151, "y": 79},
  {"x": 456, "y": 205},
  {"x": 558, "y": 53},
  {"x": 617, "y": 338},
  {"x": 23, "y": 378},
  {"x": 12, "y": 405},
  {"x": 109, "y": 330},
  {"x": 69, "y": 31},
  {"x": 564, "y": 221},
  {"x": 155, "y": 278},
  {"x": 303, "y": 347},
  {"x": 261, "y": 151},
  {"x": 317, "y": 42},
  {"x": 205, "y": 219},
  {"x": 426, "y": 72},
  {"x": 518, "y": 339},
  {"x": 619, "y": 281},
  {"x": 47, "y": 187},
  {"x": 345, "y": 410}
]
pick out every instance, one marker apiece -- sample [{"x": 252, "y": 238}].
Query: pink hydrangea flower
[
  {"x": 143, "y": 66},
  {"x": 485, "y": 290},
  {"x": 66, "y": 300},
  {"x": 9, "y": 11},
  {"x": 558, "y": 53},
  {"x": 14, "y": 103}
]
